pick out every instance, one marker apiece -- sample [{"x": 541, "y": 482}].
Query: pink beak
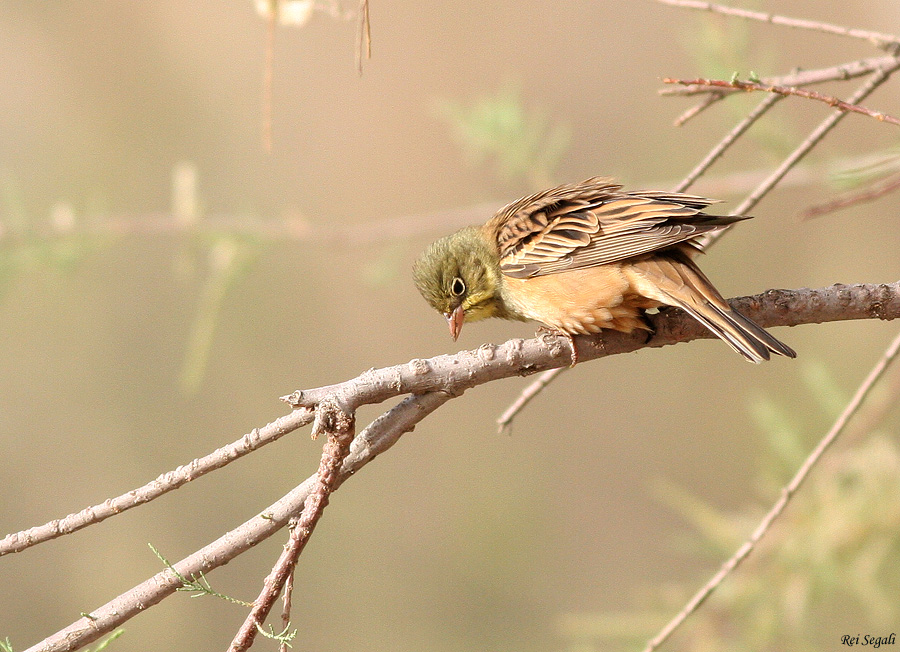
[{"x": 455, "y": 320}]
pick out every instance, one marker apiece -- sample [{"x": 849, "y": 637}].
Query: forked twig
[
  {"x": 829, "y": 123},
  {"x": 786, "y": 494},
  {"x": 339, "y": 427}
]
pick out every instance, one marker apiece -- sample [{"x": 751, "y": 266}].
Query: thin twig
[
  {"x": 287, "y": 598},
  {"x": 710, "y": 99},
  {"x": 339, "y": 427},
  {"x": 829, "y": 123},
  {"x": 363, "y": 35},
  {"x": 843, "y": 72},
  {"x": 163, "y": 484},
  {"x": 268, "y": 67},
  {"x": 878, "y": 39},
  {"x": 830, "y": 100},
  {"x": 504, "y": 421},
  {"x": 729, "y": 140},
  {"x": 871, "y": 193},
  {"x": 786, "y": 494}
]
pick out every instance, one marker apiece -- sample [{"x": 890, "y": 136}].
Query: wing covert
[{"x": 595, "y": 223}]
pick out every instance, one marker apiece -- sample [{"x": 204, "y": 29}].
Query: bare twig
[
  {"x": 286, "y": 608},
  {"x": 268, "y": 66},
  {"x": 786, "y": 494},
  {"x": 870, "y": 193},
  {"x": 504, "y": 421},
  {"x": 710, "y": 99},
  {"x": 729, "y": 140},
  {"x": 163, "y": 484},
  {"x": 830, "y": 100},
  {"x": 843, "y": 72},
  {"x": 829, "y": 123},
  {"x": 878, "y": 39},
  {"x": 378, "y": 436},
  {"x": 339, "y": 427}
]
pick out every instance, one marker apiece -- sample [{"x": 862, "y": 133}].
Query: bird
[{"x": 583, "y": 257}]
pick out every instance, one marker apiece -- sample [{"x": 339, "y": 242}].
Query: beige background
[{"x": 458, "y": 539}]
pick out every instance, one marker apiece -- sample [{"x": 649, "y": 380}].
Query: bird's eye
[{"x": 457, "y": 287}]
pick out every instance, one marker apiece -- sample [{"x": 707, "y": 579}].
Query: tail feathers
[
  {"x": 744, "y": 336},
  {"x": 673, "y": 279}
]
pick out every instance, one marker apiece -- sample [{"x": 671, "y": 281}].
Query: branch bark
[{"x": 433, "y": 382}]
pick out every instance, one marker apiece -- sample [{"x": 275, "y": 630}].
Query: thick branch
[
  {"x": 433, "y": 382},
  {"x": 456, "y": 373}
]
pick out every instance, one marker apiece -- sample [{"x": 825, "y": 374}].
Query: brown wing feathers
[{"x": 594, "y": 223}]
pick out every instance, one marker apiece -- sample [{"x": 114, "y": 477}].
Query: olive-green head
[{"x": 459, "y": 275}]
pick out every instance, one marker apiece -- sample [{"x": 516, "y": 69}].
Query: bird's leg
[{"x": 648, "y": 326}]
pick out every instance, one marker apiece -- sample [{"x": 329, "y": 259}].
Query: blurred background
[{"x": 164, "y": 279}]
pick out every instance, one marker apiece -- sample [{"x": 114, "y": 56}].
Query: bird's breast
[{"x": 579, "y": 301}]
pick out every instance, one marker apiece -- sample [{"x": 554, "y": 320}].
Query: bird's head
[{"x": 459, "y": 275}]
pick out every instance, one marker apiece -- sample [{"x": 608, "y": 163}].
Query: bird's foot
[
  {"x": 649, "y": 328},
  {"x": 549, "y": 330}
]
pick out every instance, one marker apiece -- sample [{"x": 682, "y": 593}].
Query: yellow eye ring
[{"x": 457, "y": 287}]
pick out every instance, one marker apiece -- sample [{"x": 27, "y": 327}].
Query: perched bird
[{"x": 583, "y": 257}]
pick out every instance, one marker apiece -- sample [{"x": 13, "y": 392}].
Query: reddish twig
[
  {"x": 786, "y": 494},
  {"x": 339, "y": 427},
  {"x": 871, "y": 193},
  {"x": 843, "y": 72},
  {"x": 286, "y": 609},
  {"x": 829, "y": 123},
  {"x": 830, "y": 100}
]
